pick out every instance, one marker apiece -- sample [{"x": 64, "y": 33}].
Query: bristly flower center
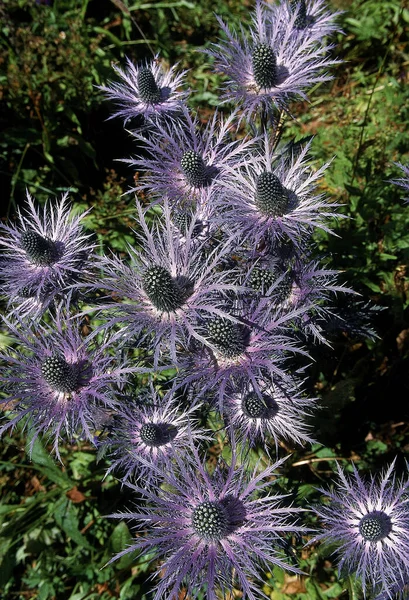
[
  {"x": 182, "y": 219},
  {"x": 301, "y": 18},
  {"x": 59, "y": 374},
  {"x": 210, "y": 521},
  {"x": 230, "y": 339},
  {"x": 157, "y": 434},
  {"x": 166, "y": 293},
  {"x": 194, "y": 169},
  {"x": 147, "y": 86},
  {"x": 271, "y": 197},
  {"x": 256, "y": 407},
  {"x": 262, "y": 279},
  {"x": 375, "y": 526},
  {"x": 264, "y": 66},
  {"x": 40, "y": 251}
]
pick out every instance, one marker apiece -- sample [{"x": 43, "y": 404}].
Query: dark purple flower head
[
  {"x": 187, "y": 161},
  {"x": 403, "y": 182},
  {"x": 268, "y": 66},
  {"x": 302, "y": 283},
  {"x": 146, "y": 89},
  {"x": 212, "y": 533},
  {"x": 274, "y": 195},
  {"x": 309, "y": 19},
  {"x": 44, "y": 254},
  {"x": 267, "y": 412},
  {"x": 171, "y": 283},
  {"x": 369, "y": 523},
  {"x": 152, "y": 427},
  {"x": 63, "y": 383},
  {"x": 252, "y": 342}
]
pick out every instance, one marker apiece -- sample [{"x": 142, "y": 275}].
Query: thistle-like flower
[
  {"x": 267, "y": 412},
  {"x": 302, "y": 283},
  {"x": 274, "y": 195},
  {"x": 309, "y": 19},
  {"x": 171, "y": 283},
  {"x": 46, "y": 253},
  {"x": 268, "y": 66},
  {"x": 212, "y": 532},
  {"x": 146, "y": 89},
  {"x": 151, "y": 427},
  {"x": 63, "y": 383},
  {"x": 369, "y": 522},
  {"x": 186, "y": 162},
  {"x": 252, "y": 342}
]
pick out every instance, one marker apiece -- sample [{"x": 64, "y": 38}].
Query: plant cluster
[{"x": 205, "y": 330}]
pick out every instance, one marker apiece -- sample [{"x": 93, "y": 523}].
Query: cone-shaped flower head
[
  {"x": 252, "y": 342},
  {"x": 267, "y": 413},
  {"x": 369, "y": 523},
  {"x": 306, "y": 19},
  {"x": 153, "y": 427},
  {"x": 146, "y": 89},
  {"x": 212, "y": 532},
  {"x": 45, "y": 253},
  {"x": 63, "y": 383},
  {"x": 170, "y": 284},
  {"x": 270, "y": 64},
  {"x": 274, "y": 195},
  {"x": 185, "y": 163}
]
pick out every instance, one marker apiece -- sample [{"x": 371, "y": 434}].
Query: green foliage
[{"x": 54, "y": 533}]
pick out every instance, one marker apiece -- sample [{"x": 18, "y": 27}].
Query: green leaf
[
  {"x": 65, "y": 515},
  {"x": 45, "y": 464},
  {"x": 120, "y": 537}
]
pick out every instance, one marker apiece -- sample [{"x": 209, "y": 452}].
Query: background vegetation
[{"x": 56, "y": 137}]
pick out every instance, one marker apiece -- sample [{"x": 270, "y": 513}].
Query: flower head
[
  {"x": 63, "y": 383},
  {"x": 309, "y": 19},
  {"x": 151, "y": 427},
  {"x": 274, "y": 195},
  {"x": 170, "y": 284},
  {"x": 267, "y": 412},
  {"x": 369, "y": 522},
  {"x": 268, "y": 66},
  {"x": 252, "y": 342},
  {"x": 46, "y": 253},
  {"x": 298, "y": 282},
  {"x": 146, "y": 89},
  {"x": 212, "y": 532},
  {"x": 187, "y": 161}
]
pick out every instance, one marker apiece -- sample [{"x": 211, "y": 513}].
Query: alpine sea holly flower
[
  {"x": 45, "y": 253},
  {"x": 309, "y": 19},
  {"x": 369, "y": 522},
  {"x": 274, "y": 195},
  {"x": 212, "y": 533},
  {"x": 186, "y": 161},
  {"x": 267, "y": 412},
  {"x": 299, "y": 283},
  {"x": 268, "y": 66},
  {"x": 170, "y": 284},
  {"x": 252, "y": 342},
  {"x": 152, "y": 427},
  {"x": 403, "y": 182},
  {"x": 64, "y": 384},
  {"x": 146, "y": 89}
]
